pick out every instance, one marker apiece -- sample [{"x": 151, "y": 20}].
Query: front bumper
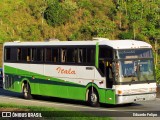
[{"x": 121, "y": 99}]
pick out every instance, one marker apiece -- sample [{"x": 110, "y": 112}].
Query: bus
[{"x": 96, "y": 71}]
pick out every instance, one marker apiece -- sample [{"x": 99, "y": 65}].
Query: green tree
[{"x": 58, "y": 13}]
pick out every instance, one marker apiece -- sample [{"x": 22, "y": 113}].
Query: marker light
[{"x": 119, "y": 92}]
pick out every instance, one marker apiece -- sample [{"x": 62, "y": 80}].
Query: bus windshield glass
[
  {"x": 140, "y": 53},
  {"x": 135, "y": 65}
]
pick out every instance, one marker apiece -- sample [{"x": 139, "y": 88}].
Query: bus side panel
[
  {"x": 77, "y": 92},
  {"x": 110, "y": 96},
  {"x": 14, "y": 78},
  {"x": 51, "y": 87},
  {"x": 69, "y": 81},
  {"x": 11, "y": 80},
  {"x": 62, "y": 89},
  {"x": 102, "y": 95},
  {"x": 107, "y": 96}
]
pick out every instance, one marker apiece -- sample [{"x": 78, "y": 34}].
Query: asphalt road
[{"x": 116, "y": 111}]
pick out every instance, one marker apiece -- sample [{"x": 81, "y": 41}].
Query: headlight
[
  {"x": 152, "y": 89},
  {"x": 123, "y": 92}
]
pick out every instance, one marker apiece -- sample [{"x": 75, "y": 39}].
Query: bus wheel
[
  {"x": 93, "y": 98},
  {"x": 27, "y": 91}
]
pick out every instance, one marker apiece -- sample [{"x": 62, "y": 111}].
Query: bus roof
[{"x": 115, "y": 44}]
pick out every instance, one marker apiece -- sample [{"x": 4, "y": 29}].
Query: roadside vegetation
[
  {"x": 158, "y": 74},
  {"x": 34, "y": 20}
]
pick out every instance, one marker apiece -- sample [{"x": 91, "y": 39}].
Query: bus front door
[
  {"x": 106, "y": 69},
  {"x": 108, "y": 74}
]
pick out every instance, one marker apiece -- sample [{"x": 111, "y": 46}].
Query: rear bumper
[{"x": 134, "y": 98}]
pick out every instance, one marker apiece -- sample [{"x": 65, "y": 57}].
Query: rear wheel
[
  {"x": 93, "y": 98},
  {"x": 27, "y": 91}
]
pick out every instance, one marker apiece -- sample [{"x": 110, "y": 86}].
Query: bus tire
[
  {"x": 93, "y": 98},
  {"x": 27, "y": 91}
]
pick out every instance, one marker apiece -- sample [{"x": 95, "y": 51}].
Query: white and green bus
[{"x": 98, "y": 71}]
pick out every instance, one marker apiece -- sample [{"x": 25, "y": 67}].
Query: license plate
[{"x": 139, "y": 99}]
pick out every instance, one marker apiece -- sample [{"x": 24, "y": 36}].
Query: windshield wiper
[
  {"x": 146, "y": 79},
  {"x": 132, "y": 81},
  {"x": 130, "y": 75}
]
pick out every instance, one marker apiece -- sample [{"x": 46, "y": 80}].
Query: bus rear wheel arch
[
  {"x": 93, "y": 97},
  {"x": 26, "y": 90}
]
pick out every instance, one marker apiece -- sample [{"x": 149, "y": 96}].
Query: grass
[
  {"x": 26, "y": 108},
  {"x": 50, "y": 113}
]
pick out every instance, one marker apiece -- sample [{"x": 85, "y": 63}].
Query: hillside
[
  {"x": 32, "y": 20},
  {"x": 38, "y": 20}
]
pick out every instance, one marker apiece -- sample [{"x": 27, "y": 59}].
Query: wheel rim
[
  {"x": 25, "y": 92},
  {"x": 93, "y": 98}
]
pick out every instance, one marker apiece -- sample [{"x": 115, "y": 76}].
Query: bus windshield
[
  {"x": 135, "y": 65},
  {"x": 139, "y": 53}
]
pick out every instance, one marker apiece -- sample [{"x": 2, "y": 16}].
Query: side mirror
[{"x": 113, "y": 67}]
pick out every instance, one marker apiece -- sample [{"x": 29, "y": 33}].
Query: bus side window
[
  {"x": 19, "y": 54},
  {"x": 63, "y": 55},
  {"x": 28, "y": 54},
  {"x": 105, "y": 52},
  {"x": 75, "y": 55},
  {"x": 70, "y": 55},
  {"x": 33, "y": 54},
  {"x": 82, "y": 55},
  {"x": 90, "y": 55},
  {"x": 24, "y": 54},
  {"x": 28, "y": 58},
  {"x": 55, "y": 52},
  {"x": 7, "y": 54},
  {"x": 48, "y": 54},
  {"x": 40, "y": 54}
]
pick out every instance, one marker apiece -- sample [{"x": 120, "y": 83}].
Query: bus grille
[
  {"x": 141, "y": 90},
  {"x": 9, "y": 82}
]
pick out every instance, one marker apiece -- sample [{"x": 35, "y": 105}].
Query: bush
[
  {"x": 158, "y": 74},
  {"x": 125, "y": 35},
  {"x": 56, "y": 13}
]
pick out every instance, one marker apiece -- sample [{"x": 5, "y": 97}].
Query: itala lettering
[{"x": 65, "y": 71}]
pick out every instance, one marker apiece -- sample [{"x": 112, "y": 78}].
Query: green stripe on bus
[
  {"x": 54, "y": 87},
  {"x": 31, "y": 75},
  {"x": 97, "y": 55},
  {"x": 35, "y": 80}
]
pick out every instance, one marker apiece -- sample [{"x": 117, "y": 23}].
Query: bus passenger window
[
  {"x": 75, "y": 55},
  {"x": 40, "y": 54},
  {"x": 105, "y": 52},
  {"x": 70, "y": 55},
  {"x": 7, "y": 54},
  {"x": 28, "y": 54},
  {"x": 33, "y": 54},
  {"x": 63, "y": 55},
  {"x": 82, "y": 55},
  {"x": 90, "y": 55},
  {"x": 19, "y": 54},
  {"x": 55, "y": 55},
  {"x": 48, "y": 54},
  {"x": 80, "y": 52},
  {"x": 24, "y": 54},
  {"x": 28, "y": 58}
]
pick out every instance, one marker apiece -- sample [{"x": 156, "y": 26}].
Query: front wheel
[
  {"x": 93, "y": 98},
  {"x": 27, "y": 91}
]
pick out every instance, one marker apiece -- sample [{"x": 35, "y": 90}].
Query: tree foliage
[
  {"x": 57, "y": 13},
  {"x": 33, "y": 20}
]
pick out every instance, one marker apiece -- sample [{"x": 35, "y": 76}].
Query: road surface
[{"x": 71, "y": 105}]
